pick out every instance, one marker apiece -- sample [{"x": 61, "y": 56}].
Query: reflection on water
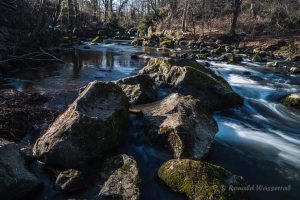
[{"x": 104, "y": 63}]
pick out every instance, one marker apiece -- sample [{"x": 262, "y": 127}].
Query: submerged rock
[
  {"x": 71, "y": 180},
  {"x": 201, "y": 180},
  {"x": 273, "y": 64},
  {"x": 295, "y": 69},
  {"x": 188, "y": 77},
  {"x": 139, "y": 89},
  {"x": 123, "y": 180},
  {"x": 16, "y": 181},
  {"x": 292, "y": 100},
  {"x": 181, "y": 124},
  {"x": 91, "y": 126}
]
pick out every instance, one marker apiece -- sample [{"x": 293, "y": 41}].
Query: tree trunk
[
  {"x": 236, "y": 11},
  {"x": 186, "y": 5}
]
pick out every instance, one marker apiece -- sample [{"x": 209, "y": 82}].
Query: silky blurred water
[{"x": 259, "y": 141}]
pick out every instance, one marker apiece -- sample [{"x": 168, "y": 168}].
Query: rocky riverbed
[{"x": 120, "y": 130}]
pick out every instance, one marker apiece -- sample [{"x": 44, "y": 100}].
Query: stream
[{"x": 259, "y": 141}]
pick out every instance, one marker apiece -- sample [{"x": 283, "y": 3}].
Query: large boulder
[
  {"x": 91, "y": 126},
  {"x": 180, "y": 124},
  {"x": 189, "y": 77},
  {"x": 139, "y": 89},
  {"x": 123, "y": 180},
  {"x": 201, "y": 180},
  {"x": 16, "y": 181}
]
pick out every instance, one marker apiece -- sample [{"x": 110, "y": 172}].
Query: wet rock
[
  {"x": 134, "y": 56},
  {"x": 139, "y": 89},
  {"x": 91, "y": 126},
  {"x": 71, "y": 180},
  {"x": 292, "y": 100},
  {"x": 230, "y": 58},
  {"x": 16, "y": 181},
  {"x": 137, "y": 41},
  {"x": 201, "y": 180},
  {"x": 123, "y": 180},
  {"x": 247, "y": 73},
  {"x": 295, "y": 58},
  {"x": 295, "y": 69},
  {"x": 180, "y": 124},
  {"x": 273, "y": 64},
  {"x": 23, "y": 113},
  {"x": 257, "y": 58},
  {"x": 188, "y": 77}
]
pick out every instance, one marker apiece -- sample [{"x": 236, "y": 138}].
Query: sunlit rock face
[
  {"x": 180, "y": 124},
  {"x": 139, "y": 89},
  {"x": 91, "y": 126},
  {"x": 188, "y": 77}
]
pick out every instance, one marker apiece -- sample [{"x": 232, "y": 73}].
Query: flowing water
[{"x": 259, "y": 141}]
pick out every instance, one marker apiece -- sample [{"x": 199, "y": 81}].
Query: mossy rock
[
  {"x": 201, "y": 180},
  {"x": 292, "y": 100},
  {"x": 273, "y": 64},
  {"x": 188, "y": 77},
  {"x": 166, "y": 43},
  {"x": 230, "y": 58},
  {"x": 257, "y": 58}
]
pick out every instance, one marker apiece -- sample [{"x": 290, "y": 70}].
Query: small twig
[{"x": 52, "y": 55}]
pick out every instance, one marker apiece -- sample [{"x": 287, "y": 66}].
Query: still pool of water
[{"x": 259, "y": 141}]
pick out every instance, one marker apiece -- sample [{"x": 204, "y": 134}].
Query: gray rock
[
  {"x": 180, "y": 123},
  {"x": 139, "y": 89},
  {"x": 91, "y": 126},
  {"x": 123, "y": 179},
  {"x": 295, "y": 69},
  {"x": 188, "y": 77},
  {"x": 295, "y": 58},
  {"x": 16, "y": 181}
]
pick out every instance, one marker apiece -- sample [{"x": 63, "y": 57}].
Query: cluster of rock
[
  {"x": 94, "y": 125},
  {"x": 223, "y": 48}
]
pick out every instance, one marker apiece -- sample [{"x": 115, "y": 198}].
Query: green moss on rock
[
  {"x": 200, "y": 180},
  {"x": 292, "y": 100},
  {"x": 230, "y": 58}
]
